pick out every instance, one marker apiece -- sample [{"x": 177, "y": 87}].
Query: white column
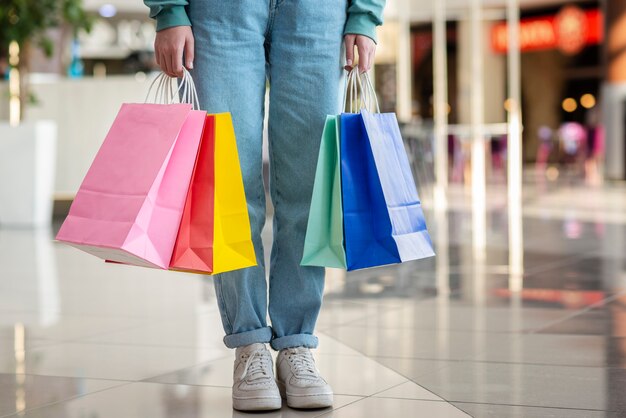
[
  {"x": 613, "y": 99},
  {"x": 404, "y": 70},
  {"x": 477, "y": 134},
  {"x": 514, "y": 187},
  {"x": 440, "y": 72},
  {"x": 516, "y": 234}
]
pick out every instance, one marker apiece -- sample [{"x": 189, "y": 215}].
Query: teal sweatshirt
[{"x": 363, "y": 15}]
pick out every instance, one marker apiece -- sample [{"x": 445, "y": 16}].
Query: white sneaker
[
  {"x": 254, "y": 387},
  {"x": 299, "y": 380}
]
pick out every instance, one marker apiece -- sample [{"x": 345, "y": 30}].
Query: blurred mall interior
[{"x": 513, "y": 113}]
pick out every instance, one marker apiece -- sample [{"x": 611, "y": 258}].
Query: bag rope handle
[
  {"x": 166, "y": 94},
  {"x": 359, "y": 86}
]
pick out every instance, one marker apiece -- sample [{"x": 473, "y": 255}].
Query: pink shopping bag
[{"x": 131, "y": 201}]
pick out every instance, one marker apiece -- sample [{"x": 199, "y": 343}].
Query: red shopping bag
[{"x": 193, "y": 250}]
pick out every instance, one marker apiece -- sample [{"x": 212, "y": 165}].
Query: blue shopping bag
[
  {"x": 408, "y": 225},
  {"x": 367, "y": 225}
]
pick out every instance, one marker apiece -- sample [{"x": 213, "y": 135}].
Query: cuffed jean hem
[
  {"x": 297, "y": 340},
  {"x": 261, "y": 335}
]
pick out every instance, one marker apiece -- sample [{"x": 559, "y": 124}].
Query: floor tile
[
  {"x": 356, "y": 375},
  {"x": 450, "y": 324},
  {"x": 606, "y": 319},
  {"x": 413, "y": 369},
  {"x": 219, "y": 372},
  {"x": 520, "y": 384},
  {"x": 329, "y": 345},
  {"x": 22, "y": 391},
  {"x": 427, "y": 344},
  {"x": 338, "y": 370},
  {"x": 409, "y": 390},
  {"x": 70, "y": 282},
  {"x": 106, "y": 361},
  {"x": 385, "y": 407},
  {"x": 213, "y": 373},
  {"x": 339, "y": 312},
  {"x": 63, "y": 328},
  {"x": 557, "y": 349},
  {"x": 461, "y": 316},
  {"x": 479, "y": 346},
  {"x": 7, "y": 344},
  {"x": 141, "y": 400},
  {"x": 595, "y": 322},
  {"x": 507, "y": 411},
  {"x": 202, "y": 331}
]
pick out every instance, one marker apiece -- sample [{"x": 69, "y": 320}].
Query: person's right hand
[{"x": 170, "y": 46}]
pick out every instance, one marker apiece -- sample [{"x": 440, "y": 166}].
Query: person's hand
[
  {"x": 170, "y": 46},
  {"x": 366, "y": 47}
]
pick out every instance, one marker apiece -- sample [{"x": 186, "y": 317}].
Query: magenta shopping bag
[{"x": 129, "y": 206}]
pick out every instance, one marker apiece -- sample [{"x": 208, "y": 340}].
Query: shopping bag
[
  {"x": 408, "y": 225},
  {"x": 129, "y": 206},
  {"x": 232, "y": 245},
  {"x": 367, "y": 225},
  {"x": 323, "y": 244},
  {"x": 193, "y": 250},
  {"x": 214, "y": 234}
]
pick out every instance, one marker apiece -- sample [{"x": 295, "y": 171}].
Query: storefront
[
  {"x": 561, "y": 70},
  {"x": 561, "y": 81}
]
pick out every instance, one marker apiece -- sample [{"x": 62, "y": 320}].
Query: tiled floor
[{"x": 444, "y": 337}]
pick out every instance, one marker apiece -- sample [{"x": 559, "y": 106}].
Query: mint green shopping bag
[{"x": 323, "y": 245}]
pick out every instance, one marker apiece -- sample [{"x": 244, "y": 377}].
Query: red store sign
[{"x": 570, "y": 31}]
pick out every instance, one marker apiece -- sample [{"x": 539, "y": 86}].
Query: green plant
[
  {"x": 25, "y": 24},
  {"x": 27, "y": 21}
]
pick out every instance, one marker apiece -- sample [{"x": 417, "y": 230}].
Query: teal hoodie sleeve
[
  {"x": 168, "y": 13},
  {"x": 364, "y": 16}
]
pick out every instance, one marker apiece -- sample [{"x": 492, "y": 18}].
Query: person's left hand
[{"x": 366, "y": 47}]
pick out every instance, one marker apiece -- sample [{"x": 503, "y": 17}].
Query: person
[{"x": 232, "y": 49}]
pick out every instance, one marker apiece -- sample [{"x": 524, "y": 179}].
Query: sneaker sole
[
  {"x": 312, "y": 401},
  {"x": 257, "y": 404}
]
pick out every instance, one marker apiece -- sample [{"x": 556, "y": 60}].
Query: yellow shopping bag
[{"x": 232, "y": 247}]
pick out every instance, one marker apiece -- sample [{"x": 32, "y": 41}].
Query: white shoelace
[
  {"x": 257, "y": 362},
  {"x": 302, "y": 363}
]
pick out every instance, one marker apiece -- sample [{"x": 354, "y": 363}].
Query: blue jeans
[{"x": 296, "y": 46}]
